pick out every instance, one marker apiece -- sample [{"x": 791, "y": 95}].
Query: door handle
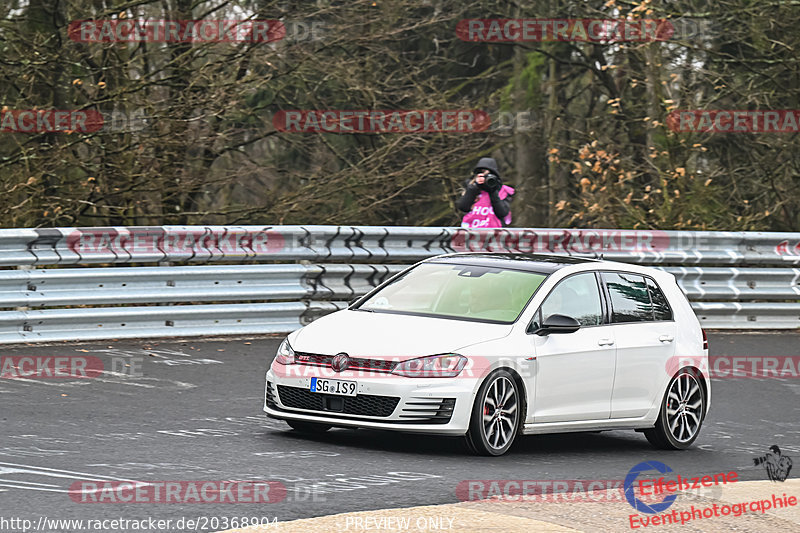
[
  {"x": 605, "y": 342},
  {"x": 666, "y": 338}
]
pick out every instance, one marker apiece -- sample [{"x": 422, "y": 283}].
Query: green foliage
[{"x": 530, "y": 78}]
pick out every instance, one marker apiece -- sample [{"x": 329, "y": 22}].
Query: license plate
[{"x": 337, "y": 387}]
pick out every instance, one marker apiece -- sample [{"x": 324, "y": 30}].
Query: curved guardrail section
[{"x": 289, "y": 275}]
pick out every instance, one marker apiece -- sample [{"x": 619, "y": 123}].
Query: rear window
[
  {"x": 661, "y": 309},
  {"x": 630, "y": 297}
]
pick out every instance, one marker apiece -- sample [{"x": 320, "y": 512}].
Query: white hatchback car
[{"x": 491, "y": 345}]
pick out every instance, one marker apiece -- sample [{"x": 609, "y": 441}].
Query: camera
[{"x": 491, "y": 182}]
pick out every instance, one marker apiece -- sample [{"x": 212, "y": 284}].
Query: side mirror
[{"x": 558, "y": 324}]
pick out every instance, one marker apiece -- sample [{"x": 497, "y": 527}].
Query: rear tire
[
  {"x": 494, "y": 423},
  {"x": 310, "y": 428},
  {"x": 682, "y": 413}
]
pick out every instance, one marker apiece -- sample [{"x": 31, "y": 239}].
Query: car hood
[{"x": 388, "y": 335}]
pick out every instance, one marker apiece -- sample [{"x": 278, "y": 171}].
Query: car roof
[{"x": 544, "y": 263}]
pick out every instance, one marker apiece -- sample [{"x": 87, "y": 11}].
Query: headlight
[
  {"x": 447, "y": 365},
  {"x": 285, "y": 354}
]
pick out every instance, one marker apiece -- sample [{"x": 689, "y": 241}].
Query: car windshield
[{"x": 449, "y": 290}]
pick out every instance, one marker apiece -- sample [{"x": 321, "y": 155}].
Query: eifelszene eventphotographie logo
[{"x": 630, "y": 481}]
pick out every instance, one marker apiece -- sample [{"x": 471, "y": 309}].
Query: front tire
[
  {"x": 682, "y": 413},
  {"x": 494, "y": 423},
  {"x": 310, "y": 428}
]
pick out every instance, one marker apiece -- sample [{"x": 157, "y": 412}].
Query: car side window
[
  {"x": 577, "y": 296},
  {"x": 630, "y": 298},
  {"x": 661, "y": 309}
]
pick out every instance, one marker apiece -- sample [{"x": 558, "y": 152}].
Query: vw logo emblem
[{"x": 340, "y": 362}]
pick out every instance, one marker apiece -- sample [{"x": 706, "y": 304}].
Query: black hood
[{"x": 488, "y": 163}]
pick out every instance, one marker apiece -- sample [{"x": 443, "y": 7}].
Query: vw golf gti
[{"x": 494, "y": 345}]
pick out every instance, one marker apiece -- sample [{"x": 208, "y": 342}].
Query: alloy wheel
[
  {"x": 500, "y": 412},
  {"x": 684, "y": 407}
]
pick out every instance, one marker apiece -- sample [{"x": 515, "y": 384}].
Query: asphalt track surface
[{"x": 191, "y": 410}]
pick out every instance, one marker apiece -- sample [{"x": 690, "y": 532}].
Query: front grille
[
  {"x": 428, "y": 410},
  {"x": 356, "y": 363},
  {"x": 363, "y": 404}
]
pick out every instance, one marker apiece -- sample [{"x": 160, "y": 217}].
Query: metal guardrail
[
  {"x": 734, "y": 280},
  {"x": 723, "y": 284},
  {"x": 215, "y": 283},
  {"x": 211, "y": 244},
  {"x": 168, "y": 321},
  {"x": 748, "y": 315}
]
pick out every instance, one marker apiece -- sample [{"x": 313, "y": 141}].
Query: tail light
[{"x": 705, "y": 339}]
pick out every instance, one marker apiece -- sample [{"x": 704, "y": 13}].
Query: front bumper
[{"x": 384, "y": 401}]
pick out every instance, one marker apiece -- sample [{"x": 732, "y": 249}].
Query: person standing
[{"x": 486, "y": 201}]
